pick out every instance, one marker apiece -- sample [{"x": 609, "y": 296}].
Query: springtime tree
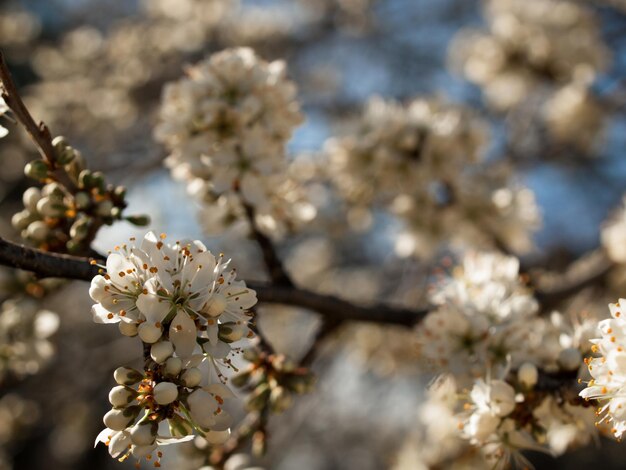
[{"x": 405, "y": 244}]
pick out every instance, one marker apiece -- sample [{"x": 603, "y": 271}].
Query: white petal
[
  {"x": 183, "y": 334},
  {"x": 102, "y": 315}
]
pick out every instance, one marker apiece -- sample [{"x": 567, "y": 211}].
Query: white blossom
[{"x": 608, "y": 385}]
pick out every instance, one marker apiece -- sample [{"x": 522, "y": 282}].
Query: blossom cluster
[
  {"x": 25, "y": 331},
  {"x": 187, "y": 308},
  {"x": 545, "y": 47},
  {"x": 226, "y": 125},
  {"x": 486, "y": 325},
  {"x": 65, "y": 214},
  {"x": 483, "y": 317},
  {"x": 608, "y": 381},
  {"x": 423, "y": 162}
]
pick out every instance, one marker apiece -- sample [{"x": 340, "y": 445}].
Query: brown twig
[
  {"x": 39, "y": 133},
  {"x": 46, "y": 264},
  {"x": 274, "y": 265}
]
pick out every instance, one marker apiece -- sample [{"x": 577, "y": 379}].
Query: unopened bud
[
  {"x": 82, "y": 200},
  {"x": 528, "y": 375},
  {"x": 138, "y": 220},
  {"x": 280, "y": 399},
  {"x": 80, "y": 228},
  {"x": 161, "y": 351},
  {"x": 173, "y": 366},
  {"x": 31, "y": 198},
  {"x": 37, "y": 169},
  {"x": 144, "y": 434},
  {"x": 121, "y": 396},
  {"x": 127, "y": 376},
  {"x": 85, "y": 179},
  {"x": 165, "y": 393},
  {"x": 119, "y": 419},
  {"x": 258, "y": 399},
  {"x": 259, "y": 443},
  {"x": 191, "y": 377},
  {"x": 21, "y": 220},
  {"x": 37, "y": 231},
  {"x": 50, "y": 207},
  {"x": 240, "y": 380},
  {"x": 98, "y": 180},
  {"x": 230, "y": 332},
  {"x": 104, "y": 208}
]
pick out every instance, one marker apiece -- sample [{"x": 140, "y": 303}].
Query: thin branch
[
  {"x": 590, "y": 269},
  {"x": 273, "y": 263},
  {"x": 47, "y": 264},
  {"x": 39, "y": 133}
]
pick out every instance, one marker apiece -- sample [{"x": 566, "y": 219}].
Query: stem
[
  {"x": 39, "y": 133},
  {"x": 274, "y": 265}
]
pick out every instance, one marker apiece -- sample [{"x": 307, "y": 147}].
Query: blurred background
[{"x": 93, "y": 70}]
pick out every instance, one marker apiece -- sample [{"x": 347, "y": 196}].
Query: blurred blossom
[
  {"x": 226, "y": 125},
  {"x": 483, "y": 318},
  {"x": 574, "y": 117},
  {"x": 422, "y": 162},
  {"x": 25, "y": 330},
  {"x": 529, "y": 44}
]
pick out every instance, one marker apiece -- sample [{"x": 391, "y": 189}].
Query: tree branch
[
  {"x": 39, "y": 133},
  {"x": 273, "y": 263},
  {"x": 47, "y": 264}
]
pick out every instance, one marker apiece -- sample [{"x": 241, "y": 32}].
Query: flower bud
[
  {"x": 179, "y": 427},
  {"x": 21, "y": 220},
  {"x": 570, "y": 358},
  {"x": 173, "y": 366},
  {"x": 104, "y": 208},
  {"x": 37, "y": 169},
  {"x": 127, "y": 329},
  {"x": 149, "y": 333},
  {"x": 121, "y": 396},
  {"x": 139, "y": 220},
  {"x": 144, "y": 434},
  {"x": 63, "y": 152},
  {"x": 240, "y": 380},
  {"x": 528, "y": 375},
  {"x": 82, "y": 200},
  {"x": 84, "y": 179},
  {"x": 37, "y": 231},
  {"x": 31, "y": 198},
  {"x": 191, "y": 377},
  {"x": 230, "y": 332},
  {"x": 120, "y": 192},
  {"x": 98, "y": 181},
  {"x": 259, "y": 397},
  {"x": 53, "y": 190},
  {"x": 127, "y": 376},
  {"x": 165, "y": 393},
  {"x": 119, "y": 419},
  {"x": 280, "y": 399},
  {"x": 259, "y": 443},
  {"x": 80, "y": 228},
  {"x": 50, "y": 207},
  {"x": 299, "y": 383},
  {"x": 161, "y": 351}
]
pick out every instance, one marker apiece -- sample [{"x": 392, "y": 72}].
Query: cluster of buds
[
  {"x": 272, "y": 379},
  {"x": 65, "y": 214},
  {"x": 168, "y": 391}
]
